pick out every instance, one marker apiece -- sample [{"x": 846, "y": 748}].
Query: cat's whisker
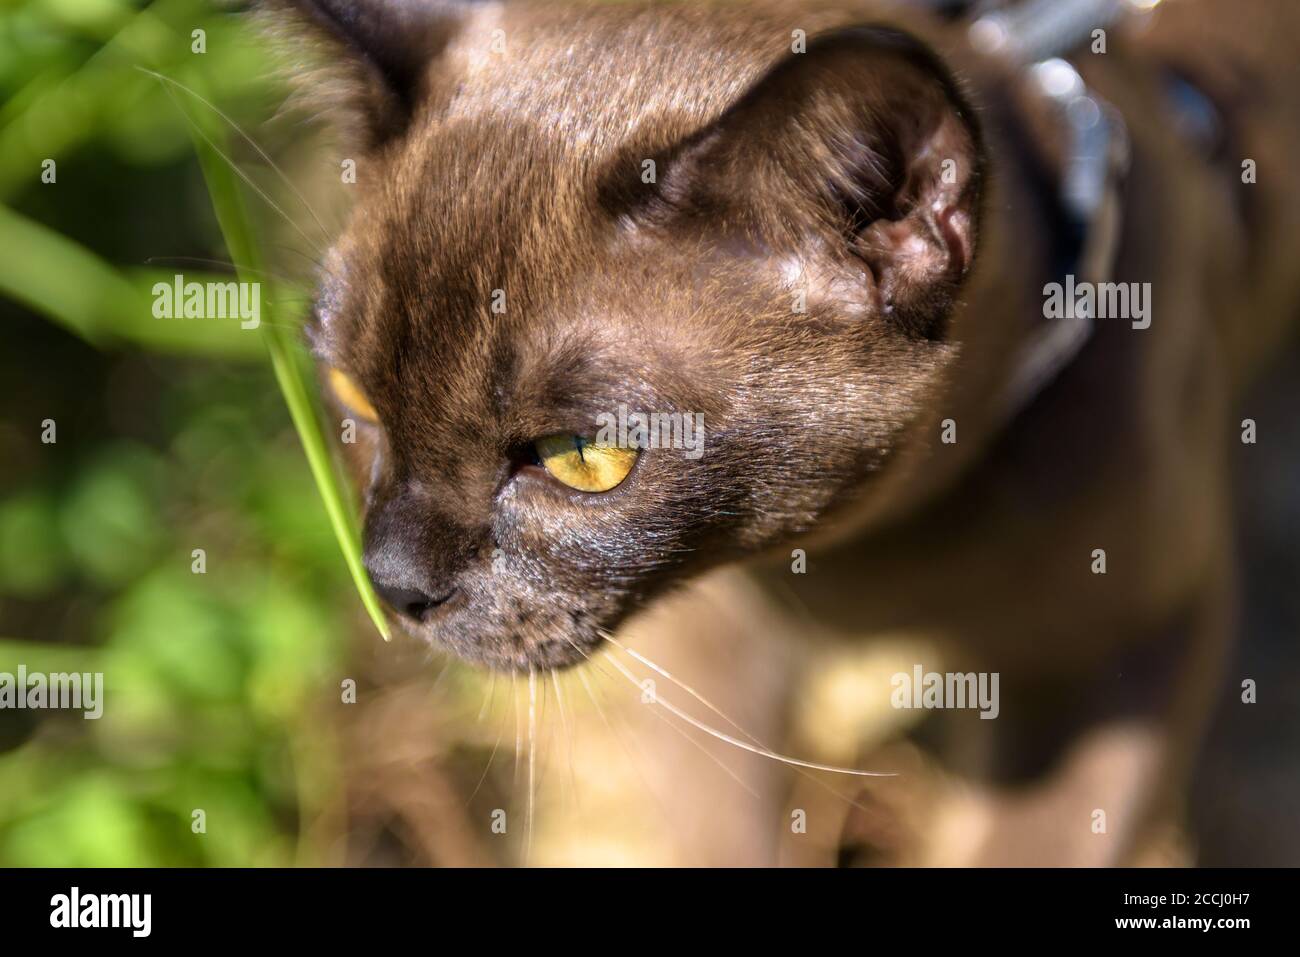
[
  {"x": 743, "y": 745},
  {"x": 235, "y": 166},
  {"x": 519, "y": 747},
  {"x": 710, "y": 755},
  {"x": 532, "y": 763},
  {"x": 569, "y": 737},
  {"x": 488, "y": 696},
  {"x": 201, "y": 261},
  {"x": 594, "y": 703},
  {"x": 291, "y": 328},
  {"x": 622, "y": 740},
  {"x": 699, "y": 697},
  {"x": 592, "y": 663},
  {"x": 496, "y": 745},
  {"x": 613, "y": 732},
  {"x": 317, "y": 263},
  {"x": 251, "y": 142},
  {"x": 693, "y": 741},
  {"x": 442, "y": 676},
  {"x": 796, "y": 601},
  {"x": 704, "y": 701},
  {"x": 681, "y": 684}
]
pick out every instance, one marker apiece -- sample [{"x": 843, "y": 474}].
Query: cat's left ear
[
  {"x": 859, "y": 150},
  {"x": 369, "y": 61}
]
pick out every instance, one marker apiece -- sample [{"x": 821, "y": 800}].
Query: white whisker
[
  {"x": 202, "y": 261},
  {"x": 532, "y": 762},
  {"x": 568, "y": 734},
  {"x": 681, "y": 684},
  {"x": 239, "y": 172},
  {"x": 743, "y": 745},
  {"x": 251, "y": 142},
  {"x": 710, "y": 755},
  {"x": 519, "y": 734},
  {"x": 699, "y": 697},
  {"x": 622, "y": 742},
  {"x": 720, "y": 713},
  {"x": 496, "y": 745},
  {"x": 488, "y": 697}
]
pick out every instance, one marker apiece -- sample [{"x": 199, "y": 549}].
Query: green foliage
[{"x": 172, "y": 436}]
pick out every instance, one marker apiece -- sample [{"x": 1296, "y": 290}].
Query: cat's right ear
[
  {"x": 368, "y": 61},
  {"x": 858, "y": 157}
]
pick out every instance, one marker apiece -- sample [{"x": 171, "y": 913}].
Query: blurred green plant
[
  {"x": 171, "y": 437},
  {"x": 241, "y": 240}
]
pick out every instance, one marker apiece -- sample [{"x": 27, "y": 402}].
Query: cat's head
[{"x": 751, "y": 215}]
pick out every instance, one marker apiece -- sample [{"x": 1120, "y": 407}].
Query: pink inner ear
[
  {"x": 900, "y": 255},
  {"x": 918, "y": 261},
  {"x": 954, "y": 225}
]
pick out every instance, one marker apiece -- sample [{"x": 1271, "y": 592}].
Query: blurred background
[
  {"x": 259, "y": 691},
  {"x": 171, "y": 436}
]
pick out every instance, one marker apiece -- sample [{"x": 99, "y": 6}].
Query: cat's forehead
[
  {"x": 488, "y": 209},
  {"x": 591, "y": 75},
  {"x": 537, "y": 107},
  {"x": 591, "y": 78}
]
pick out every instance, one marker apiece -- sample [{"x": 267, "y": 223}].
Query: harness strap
[
  {"x": 1036, "y": 35},
  {"x": 1097, "y": 161}
]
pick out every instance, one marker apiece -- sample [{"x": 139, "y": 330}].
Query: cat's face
[{"x": 627, "y": 210}]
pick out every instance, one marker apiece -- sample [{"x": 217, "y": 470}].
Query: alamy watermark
[
  {"x": 653, "y": 430},
  {"x": 956, "y": 690},
  {"x": 179, "y": 299},
  {"x": 1098, "y": 300},
  {"x": 37, "y": 690},
  {"x": 133, "y": 912}
]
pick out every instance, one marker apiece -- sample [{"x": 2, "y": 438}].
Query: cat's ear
[
  {"x": 367, "y": 61},
  {"x": 862, "y": 148}
]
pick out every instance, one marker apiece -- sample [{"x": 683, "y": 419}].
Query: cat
[{"x": 825, "y": 229}]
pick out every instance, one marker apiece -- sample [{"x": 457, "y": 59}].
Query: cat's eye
[
  {"x": 350, "y": 394},
  {"x": 583, "y": 465}
]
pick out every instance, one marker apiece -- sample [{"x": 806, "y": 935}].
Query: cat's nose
[
  {"x": 413, "y": 603},
  {"x": 413, "y": 555}
]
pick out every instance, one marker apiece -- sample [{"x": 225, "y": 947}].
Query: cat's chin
[
  {"x": 547, "y": 655},
  {"x": 518, "y": 650}
]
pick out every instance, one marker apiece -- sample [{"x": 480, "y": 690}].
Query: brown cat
[{"x": 826, "y": 228}]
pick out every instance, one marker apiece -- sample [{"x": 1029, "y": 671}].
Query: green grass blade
[{"x": 228, "y": 204}]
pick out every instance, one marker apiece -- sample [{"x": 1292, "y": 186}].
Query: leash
[
  {"x": 1096, "y": 164},
  {"x": 1036, "y": 36}
]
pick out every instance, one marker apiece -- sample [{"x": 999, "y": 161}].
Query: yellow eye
[
  {"x": 579, "y": 464},
  {"x": 350, "y": 394}
]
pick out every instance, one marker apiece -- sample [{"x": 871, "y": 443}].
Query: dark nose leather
[
  {"x": 414, "y": 553},
  {"x": 413, "y": 603},
  {"x": 411, "y": 555}
]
